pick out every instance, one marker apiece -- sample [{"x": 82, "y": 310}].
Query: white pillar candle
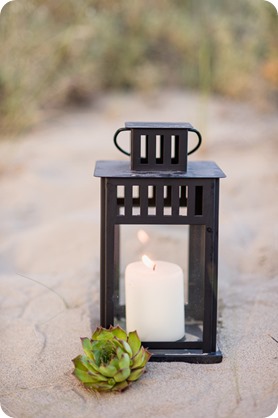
[{"x": 155, "y": 301}]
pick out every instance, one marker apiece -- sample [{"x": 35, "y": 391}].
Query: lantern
[{"x": 172, "y": 303}]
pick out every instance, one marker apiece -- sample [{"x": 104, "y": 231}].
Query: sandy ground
[{"x": 49, "y": 222}]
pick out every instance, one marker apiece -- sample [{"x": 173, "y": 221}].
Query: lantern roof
[{"x": 121, "y": 169}]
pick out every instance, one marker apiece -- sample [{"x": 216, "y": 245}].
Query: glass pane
[{"x": 156, "y": 299}]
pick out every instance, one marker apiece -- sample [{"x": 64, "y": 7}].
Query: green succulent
[{"x": 112, "y": 359}]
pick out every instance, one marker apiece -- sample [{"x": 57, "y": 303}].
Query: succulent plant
[{"x": 112, "y": 359}]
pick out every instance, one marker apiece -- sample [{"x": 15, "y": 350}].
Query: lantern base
[{"x": 187, "y": 356}]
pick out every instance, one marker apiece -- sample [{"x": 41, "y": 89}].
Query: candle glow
[{"x": 142, "y": 236}]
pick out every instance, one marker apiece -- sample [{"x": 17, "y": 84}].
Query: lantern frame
[{"x": 176, "y": 185}]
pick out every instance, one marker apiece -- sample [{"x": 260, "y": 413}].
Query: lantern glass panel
[{"x": 169, "y": 243}]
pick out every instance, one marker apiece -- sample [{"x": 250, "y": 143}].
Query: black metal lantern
[{"x": 173, "y": 305}]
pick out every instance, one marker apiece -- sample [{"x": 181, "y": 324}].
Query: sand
[{"x": 49, "y": 222}]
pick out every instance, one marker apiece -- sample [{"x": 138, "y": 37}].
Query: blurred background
[{"x": 60, "y": 53}]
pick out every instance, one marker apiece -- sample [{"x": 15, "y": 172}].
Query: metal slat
[
  {"x": 191, "y": 200},
  {"x": 175, "y": 200},
  {"x": 151, "y": 149},
  {"x": 159, "y": 200},
  {"x": 136, "y": 149},
  {"x": 143, "y": 193},
  {"x": 183, "y": 149},
  {"x": 167, "y": 149},
  {"x": 128, "y": 200}
]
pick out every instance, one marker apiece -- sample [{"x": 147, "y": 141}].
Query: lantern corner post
[
  {"x": 109, "y": 253},
  {"x": 211, "y": 270},
  {"x": 102, "y": 251}
]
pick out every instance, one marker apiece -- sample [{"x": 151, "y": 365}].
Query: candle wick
[{"x": 154, "y": 266}]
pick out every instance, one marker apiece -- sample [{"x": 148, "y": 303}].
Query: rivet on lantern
[{"x": 158, "y": 186}]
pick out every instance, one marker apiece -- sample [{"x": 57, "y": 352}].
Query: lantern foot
[{"x": 187, "y": 356}]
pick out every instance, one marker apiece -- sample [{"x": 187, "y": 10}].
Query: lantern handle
[
  {"x": 129, "y": 129},
  {"x": 199, "y": 140},
  {"x": 116, "y": 143}
]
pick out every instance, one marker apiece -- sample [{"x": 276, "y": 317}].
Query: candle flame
[
  {"x": 142, "y": 236},
  {"x": 148, "y": 262}
]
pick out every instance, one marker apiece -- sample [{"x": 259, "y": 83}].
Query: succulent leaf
[
  {"x": 101, "y": 386},
  {"x": 108, "y": 370},
  {"x": 88, "y": 364},
  {"x": 115, "y": 362},
  {"x": 134, "y": 342},
  {"x": 96, "y": 333},
  {"x": 118, "y": 332},
  {"x": 87, "y": 377},
  {"x": 140, "y": 359},
  {"x": 78, "y": 363},
  {"x": 87, "y": 347},
  {"x": 147, "y": 356},
  {"x": 135, "y": 374},
  {"x": 119, "y": 352},
  {"x": 103, "y": 334},
  {"x": 124, "y": 361},
  {"x": 127, "y": 348},
  {"x": 122, "y": 375},
  {"x": 120, "y": 386}
]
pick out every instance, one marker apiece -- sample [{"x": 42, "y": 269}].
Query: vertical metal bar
[
  {"x": 103, "y": 207},
  {"x": 161, "y": 160},
  {"x": 159, "y": 200},
  {"x": 135, "y": 149},
  {"x": 183, "y": 149},
  {"x": 191, "y": 201},
  {"x": 147, "y": 148},
  {"x": 128, "y": 199},
  {"x": 143, "y": 195},
  {"x": 110, "y": 216},
  {"x": 117, "y": 271},
  {"x": 215, "y": 263},
  {"x": 167, "y": 149},
  {"x": 167, "y": 196},
  {"x": 196, "y": 272},
  {"x": 211, "y": 254},
  {"x": 175, "y": 201},
  {"x": 198, "y": 200},
  {"x": 151, "y": 140},
  {"x": 177, "y": 141}
]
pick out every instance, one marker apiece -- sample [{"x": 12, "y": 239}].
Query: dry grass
[{"x": 54, "y": 53}]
